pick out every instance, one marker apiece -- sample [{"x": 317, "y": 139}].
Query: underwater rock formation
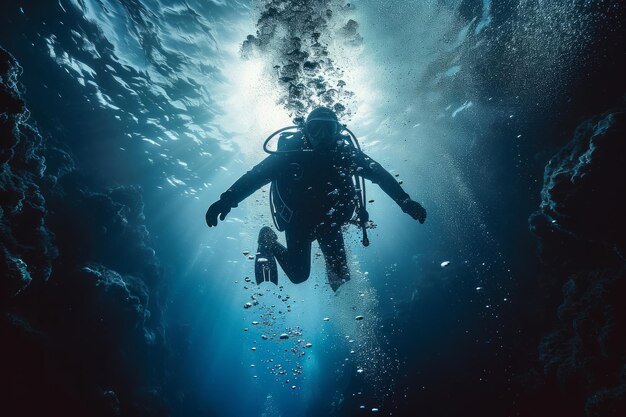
[
  {"x": 80, "y": 320},
  {"x": 25, "y": 241},
  {"x": 582, "y": 198},
  {"x": 582, "y": 230},
  {"x": 295, "y": 34}
]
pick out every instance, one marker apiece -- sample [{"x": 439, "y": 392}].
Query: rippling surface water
[{"x": 461, "y": 100}]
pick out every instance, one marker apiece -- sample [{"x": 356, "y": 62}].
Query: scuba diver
[{"x": 317, "y": 177}]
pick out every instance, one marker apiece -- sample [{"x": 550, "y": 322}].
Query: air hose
[{"x": 362, "y": 213}]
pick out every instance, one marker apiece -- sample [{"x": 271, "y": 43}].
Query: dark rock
[
  {"x": 110, "y": 226},
  {"x": 117, "y": 304},
  {"x": 584, "y": 194},
  {"x": 111, "y": 402},
  {"x": 26, "y": 248},
  {"x": 16, "y": 273},
  {"x": 79, "y": 307},
  {"x": 582, "y": 232}
]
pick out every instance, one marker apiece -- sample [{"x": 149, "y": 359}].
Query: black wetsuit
[{"x": 317, "y": 186}]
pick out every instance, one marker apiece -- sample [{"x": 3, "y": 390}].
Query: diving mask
[{"x": 322, "y": 131}]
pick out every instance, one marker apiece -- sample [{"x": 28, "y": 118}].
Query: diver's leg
[
  {"x": 295, "y": 259},
  {"x": 331, "y": 243}
]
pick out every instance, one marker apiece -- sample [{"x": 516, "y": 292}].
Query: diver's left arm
[{"x": 373, "y": 171}]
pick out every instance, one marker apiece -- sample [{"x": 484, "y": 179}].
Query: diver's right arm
[{"x": 261, "y": 174}]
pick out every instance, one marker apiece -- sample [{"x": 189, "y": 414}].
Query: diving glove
[
  {"x": 220, "y": 208},
  {"x": 414, "y": 209}
]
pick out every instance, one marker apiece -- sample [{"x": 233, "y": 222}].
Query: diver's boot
[{"x": 265, "y": 268}]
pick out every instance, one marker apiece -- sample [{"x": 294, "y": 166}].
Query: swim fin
[{"x": 265, "y": 268}]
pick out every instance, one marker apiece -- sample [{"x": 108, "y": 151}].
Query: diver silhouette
[{"x": 317, "y": 175}]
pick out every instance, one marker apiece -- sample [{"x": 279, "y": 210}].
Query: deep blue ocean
[{"x": 464, "y": 102}]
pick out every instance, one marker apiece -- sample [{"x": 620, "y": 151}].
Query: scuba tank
[{"x": 292, "y": 139}]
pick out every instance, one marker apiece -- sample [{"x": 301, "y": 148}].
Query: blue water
[{"x": 452, "y": 96}]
